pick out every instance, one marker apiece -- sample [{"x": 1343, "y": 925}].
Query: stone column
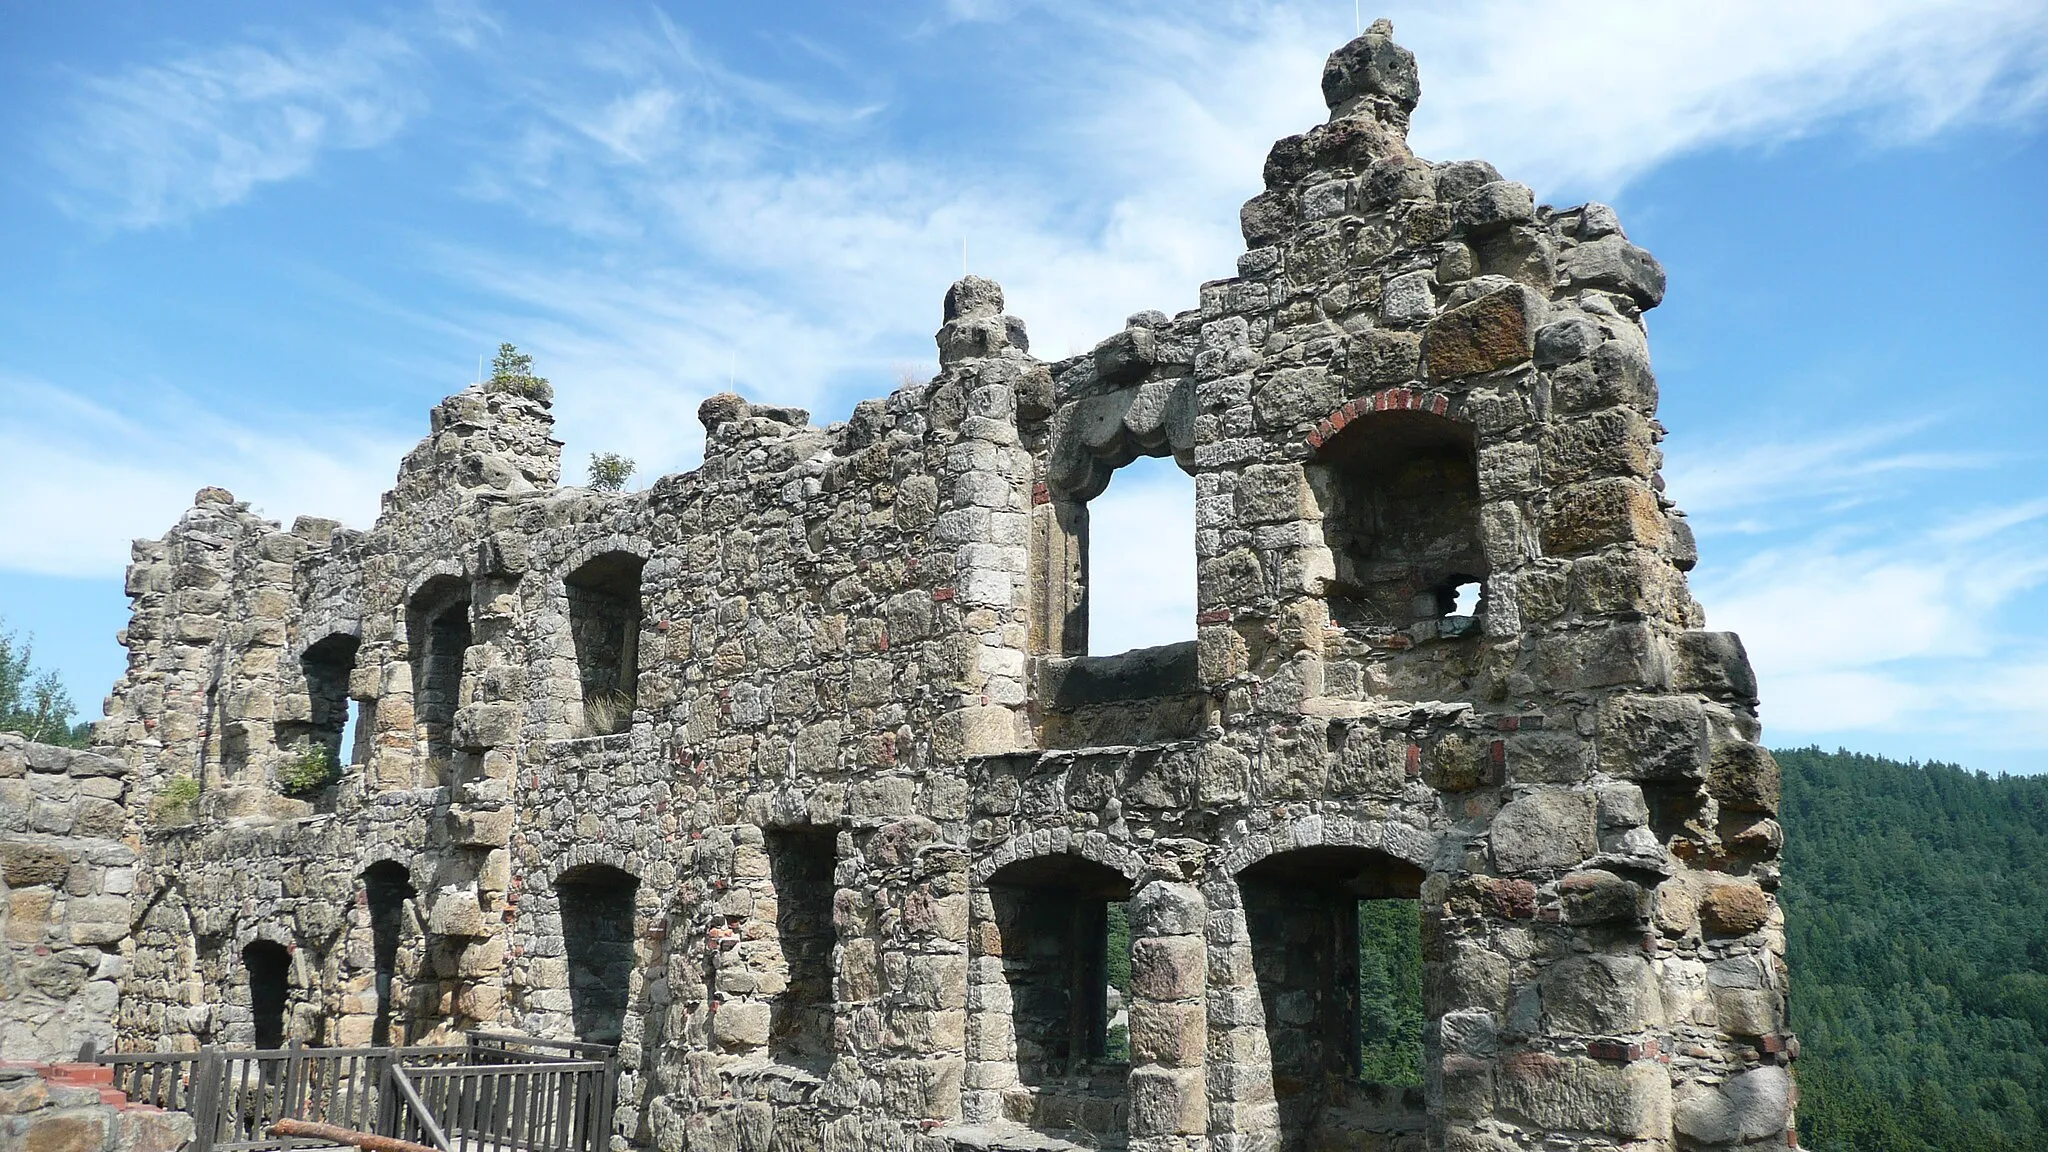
[{"x": 1169, "y": 1103}]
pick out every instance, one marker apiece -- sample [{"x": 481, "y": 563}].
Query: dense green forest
[{"x": 1916, "y": 897}]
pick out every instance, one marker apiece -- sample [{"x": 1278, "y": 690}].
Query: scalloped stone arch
[
  {"x": 1093, "y": 846},
  {"x": 433, "y": 570},
  {"x": 591, "y": 549},
  {"x": 584, "y": 855},
  {"x": 1243, "y": 847}
]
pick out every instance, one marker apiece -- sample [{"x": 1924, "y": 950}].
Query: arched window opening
[
  {"x": 327, "y": 666},
  {"x": 269, "y": 966},
  {"x": 1065, "y": 946},
  {"x": 604, "y": 625},
  {"x": 387, "y": 885},
  {"x": 1140, "y": 557},
  {"x": 437, "y": 626},
  {"x": 597, "y": 907},
  {"x": 1400, "y": 499},
  {"x": 1336, "y": 937},
  {"x": 801, "y": 863}
]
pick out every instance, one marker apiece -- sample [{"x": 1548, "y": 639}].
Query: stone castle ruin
[{"x": 791, "y": 776}]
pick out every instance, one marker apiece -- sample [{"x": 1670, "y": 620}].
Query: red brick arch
[{"x": 1385, "y": 400}]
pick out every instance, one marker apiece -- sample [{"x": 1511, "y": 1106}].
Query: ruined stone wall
[
  {"x": 828, "y": 839},
  {"x": 67, "y": 884}
]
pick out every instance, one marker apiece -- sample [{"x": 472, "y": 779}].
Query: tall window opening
[
  {"x": 604, "y": 625},
  {"x": 801, "y": 862},
  {"x": 1336, "y": 936},
  {"x": 1140, "y": 557},
  {"x": 1053, "y": 917},
  {"x": 269, "y": 966},
  {"x": 597, "y": 904},
  {"x": 327, "y": 666},
  {"x": 437, "y": 627},
  {"x": 388, "y": 886},
  {"x": 1400, "y": 498}
]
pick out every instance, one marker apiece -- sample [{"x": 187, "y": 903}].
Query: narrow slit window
[
  {"x": 269, "y": 967},
  {"x": 387, "y": 886},
  {"x": 439, "y": 632},
  {"x": 327, "y": 666}
]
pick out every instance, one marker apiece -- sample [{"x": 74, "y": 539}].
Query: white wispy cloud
[
  {"x": 1918, "y": 633},
  {"x": 1579, "y": 98},
  {"x": 83, "y": 478},
  {"x": 160, "y": 142}
]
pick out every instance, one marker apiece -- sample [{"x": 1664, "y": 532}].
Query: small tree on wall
[
  {"x": 512, "y": 371},
  {"x": 609, "y": 471}
]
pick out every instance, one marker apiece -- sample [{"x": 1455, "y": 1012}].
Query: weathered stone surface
[
  {"x": 1734, "y": 909},
  {"x": 1755, "y": 1105},
  {"x": 1493, "y": 332},
  {"x": 1632, "y": 1101},
  {"x": 1549, "y": 828},
  {"x": 793, "y": 774}
]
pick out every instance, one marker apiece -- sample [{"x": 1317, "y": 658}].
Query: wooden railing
[{"x": 494, "y": 1092}]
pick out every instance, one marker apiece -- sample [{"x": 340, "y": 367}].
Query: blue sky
[{"x": 250, "y": 246}]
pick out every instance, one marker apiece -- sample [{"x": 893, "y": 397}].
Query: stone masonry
[{"x": 791, "y": 775}]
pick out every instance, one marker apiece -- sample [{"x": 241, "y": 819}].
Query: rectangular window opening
[{"x": 801, "y": 863}]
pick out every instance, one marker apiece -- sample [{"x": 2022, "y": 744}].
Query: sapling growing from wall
[
  {"x": 512, "y": 371},
  {"x": 609, "y": 471}
]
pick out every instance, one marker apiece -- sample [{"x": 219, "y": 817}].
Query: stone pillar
[
  {"x": 985, "y": 516},
  {"x": 1169, "y": 1103}
]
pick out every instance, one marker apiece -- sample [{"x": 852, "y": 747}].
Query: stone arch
[
  {"x": 1396, "y": 480},
  {"x": 1093, "y": 847},
  {"x": 597, "y": 910},
  {"x": 1242, "y": 847},
  {"x": 588, "y": 550},
  {"x": 1039, "y": 1018},
  {"x": 1315, "y": 904}
]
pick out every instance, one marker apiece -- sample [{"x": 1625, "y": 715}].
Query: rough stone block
[
  {"x": 1756, "y": 1105},
  {"x": 1496, "y": 331},
  {"x": 24, "y": 865},
  {"x": 1734, "y": 909},
  {"x": 1653, "y": 738},
  {"x": 1744, "y": 777},
  {"x": 1601, "y": 994},
  {"x": 1174, "y": 1034},
  {"x": 1548, "y": 829},
  {"x": 1713, "y": 663},
  {"x": 1167, "y": 1101},
  {"x": 1599, "y": 897},
  {"x": 65, "y": 1133},
  {"x": 1595, "y": 514},
  {"x": 1613, "y": 264},
  {"x": 1631, "y": 1100},
  {"x": 1168, "y": 967}
]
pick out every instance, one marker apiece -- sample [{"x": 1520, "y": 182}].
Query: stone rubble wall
[
  {"x": 74, "y": 1108},
  {"x": 68, "y": 876},
  {"x": 872, "y": 635}
]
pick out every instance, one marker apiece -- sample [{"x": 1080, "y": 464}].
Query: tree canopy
[
  {"x": 1916, "y": 902},
  {"x": 34, "y": 703}
]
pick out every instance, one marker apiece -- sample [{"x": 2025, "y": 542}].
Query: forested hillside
[{"x": 1917, "y": 902}]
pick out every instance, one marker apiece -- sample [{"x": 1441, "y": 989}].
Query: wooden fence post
[{"x": 206, "y": 1089}]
